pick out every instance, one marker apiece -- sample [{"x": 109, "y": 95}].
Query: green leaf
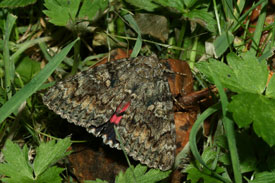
[
  {"x": 50, "y": 175},
  {"x": 44, "y": 159},
  {"x": 221, "y": 70},
  {"x": 255, "y": 75},
  {"x": 196, "y": 174},
  {"x": 26, "y": 69},
  {"x": 195, "y": 129},
  {"x": 134, "y": 25},
  {"x": 223, "y": 42},
  {"x": 264, "y": 177},
  {"x": 240, "y": 106},
  {"x": 248, "y": 107},
  {"x": 257, "y": 34},
  {"x": 228, "y": 9},
  {"x": 245, "y": 74},
  {"x": 8, "y": 63},
  {"x": 26, "y": 45},
  {"x": 153, "y": 175},
  {"x": 90, "y": 9},
  {"x": 95, "y": 181},
  {"x": 16, "y": 100},
  {"x": 189, "y": 3},
  {"x": 61, "y": 12},
  {"x": 202, "y": 17},
  {"x": 147, "y": 5},
  {"x": 177, "y": 4},
  {"x": 249, "y": 148},
  {"x": 18, "y": 178},
  {"x": 16, "y": 3},
  {"x": 248, "y": 77},
  {"x": 17, "y": 166},
  {"x": 139, "y": 174}
]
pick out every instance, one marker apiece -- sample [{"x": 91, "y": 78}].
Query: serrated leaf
[
  {"x": 196, "y": 174},
  {"x": 13, "y": 175},
  {"x": 16, "y": 3},
  {"x": 127, "y": 176},
  {"x": 140, "y": 170},
  {"x": 90, "y": 9},
  {"x": 154, "y": 175},
  {"x": 253, "y": 73},
  {"x": 139, "y": 174},
  {"x": 17, "y": 167},
  {"x": 245, "y": 74},
  {"x": 17, "y": 178},
  {"x": 49, "y": 153},
  {"x": 95, "y": 181},
  {"x": 264, "y": 177},
  {"x": 147, "y": 5},
  {"x": 61, "y": 12},
  {"x": 248, "y": 107},
  {"x": 50, "y": 175},
  {"x": 208, "y": 155},
  {"x": 189, "y": 3},
  {"x": 16, "y": 162},
  {"x": 221, "y": 70}
]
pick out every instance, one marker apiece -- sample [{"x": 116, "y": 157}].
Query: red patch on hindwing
[{"x": 119, "y": 113}]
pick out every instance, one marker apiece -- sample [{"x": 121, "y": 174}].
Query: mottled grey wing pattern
[{"x": 91, "y": 98}]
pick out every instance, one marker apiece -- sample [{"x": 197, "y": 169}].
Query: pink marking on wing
[{"x": 116, "y": 119}]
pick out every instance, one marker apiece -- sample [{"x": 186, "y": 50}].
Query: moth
[{"x": 131, "y": 95}]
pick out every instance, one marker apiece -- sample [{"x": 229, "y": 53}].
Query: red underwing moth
[{"x": 131, "y": 95}]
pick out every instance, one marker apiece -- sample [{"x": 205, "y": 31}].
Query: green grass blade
[
  {"x": 34, "y": 84},
  {"x": 131, "y": 168},
  {"x": 195, "y": 129},
  {"x": 193, "y": 143},
  {"x": 229, "y": 130},
  {"x": 217, "y": 17},
  {"x": 43, "y": 47},
  {"x": 259, "y": 29},
  {"x": 134, "y": 25},
  {"x": 228, "y": 9},
  {"x": 8, "y": 64},
  {"x": 193, "y": 53},
  {"x": 26, "y": 45},
  {"x": 237, "y": 24}
]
